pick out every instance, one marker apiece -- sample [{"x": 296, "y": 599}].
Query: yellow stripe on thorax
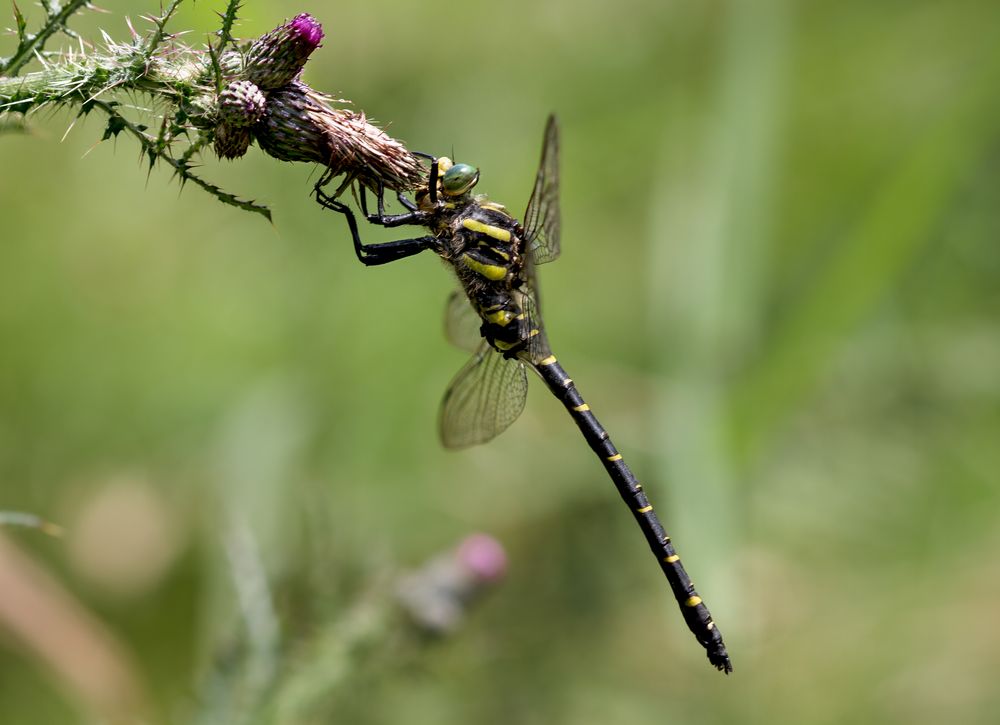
[
  {"x": 492, "y": 272},
  {"x": 500, "y": 317},
  {"x": 493, "y": 206},
  {"x": 491, "y": 231}
]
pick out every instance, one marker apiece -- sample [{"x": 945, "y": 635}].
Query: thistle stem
[{"x": 81, "y": 79}]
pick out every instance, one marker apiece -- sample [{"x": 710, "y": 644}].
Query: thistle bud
[
  {"x": 201, "y": 110},
  {"x": 232, "y": 142},
  {"x": 241, "y": 104},
  {"x": 278, "y": 57},
  {"x": 231, "y": 63},
  {"x": 300, "y": 125},
  {"x": 483, "y": 557},
  {"x": 438, "y": 595}
]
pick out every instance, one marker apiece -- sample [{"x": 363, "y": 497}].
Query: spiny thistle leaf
[
  {"x": 228, "y": 21},
  {"x": 29, "y": 44},
  {"x": 224, "y": 197},
  {"x": 116, "y": 124},
  {"x": 216, "y": 64},
  {"x": 194, "y": 148},
  {"x": 159, "y": 33},
  {"x": 22, "y": 25}
]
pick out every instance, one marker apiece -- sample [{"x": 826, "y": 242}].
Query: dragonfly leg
[
  {"x": 413, "y": 216},
  {"x": 406, "y": 202},
  {"x": 432, "y": 182},
  {"x": 374, "y": 254}
]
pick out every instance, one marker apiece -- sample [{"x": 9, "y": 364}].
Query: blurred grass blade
[
  {"x": 31, "y": 521},
  {"x": 712, "y": 224},
  {"x": 901, "y": 218}
]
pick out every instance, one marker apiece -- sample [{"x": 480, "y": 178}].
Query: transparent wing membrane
[
  {"x": 542, "y": 218},
  {"x": 537, "y": 348},
  {"x": 461, "y": 323},
  {"x": 482, "y": 401}
]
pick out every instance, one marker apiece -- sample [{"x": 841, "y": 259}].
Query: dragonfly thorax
[{"x": 483, "y": 244}]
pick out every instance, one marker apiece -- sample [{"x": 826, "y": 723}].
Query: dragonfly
[{"x": 494, "y": 257}]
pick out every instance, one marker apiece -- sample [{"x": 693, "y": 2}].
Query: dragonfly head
[
  {"x": 452, "y": 181},
  {"x": 456, "y": 179}
]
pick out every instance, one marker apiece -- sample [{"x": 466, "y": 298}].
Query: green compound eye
[{"x": 459, "y": 179}]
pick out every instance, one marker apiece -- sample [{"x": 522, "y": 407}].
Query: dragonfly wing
[
  {"x": 542, "y": 218},
  {"x": 537, "y": 348},
  {"x": 461, "y": 323},
  {"x": 482, "y": 401}
]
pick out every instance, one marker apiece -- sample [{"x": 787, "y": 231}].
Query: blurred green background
[{"x": 778, "y": 290}]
